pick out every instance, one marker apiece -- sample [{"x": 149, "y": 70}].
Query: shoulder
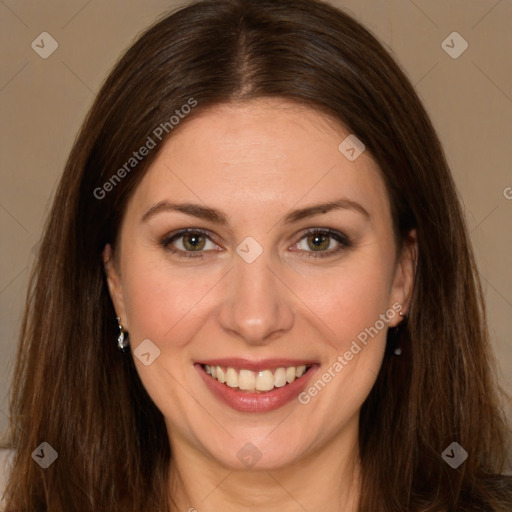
[{"x": 6, "y": 457}]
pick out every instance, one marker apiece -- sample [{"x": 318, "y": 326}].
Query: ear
[
  {"x": 405, "y": 270},
  {"x": 115, "y": 286}
]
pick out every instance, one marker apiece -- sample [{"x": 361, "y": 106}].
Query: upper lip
[{"x": 262, "y": 364}]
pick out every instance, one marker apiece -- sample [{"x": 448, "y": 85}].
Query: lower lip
[{"x": 256, "y": 402}]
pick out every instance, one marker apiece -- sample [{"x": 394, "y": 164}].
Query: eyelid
[
  {"x": 334, "y": 233},
  {"x": 167, "y": 240},
  {"x": 342, "y": 239},
  {"x": 344, "y": 242}
]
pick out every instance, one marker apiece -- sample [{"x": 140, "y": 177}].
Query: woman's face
[{"x": 290, "y": 262}]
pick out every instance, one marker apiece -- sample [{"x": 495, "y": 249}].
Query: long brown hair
[{"x": 73, "y": 389}]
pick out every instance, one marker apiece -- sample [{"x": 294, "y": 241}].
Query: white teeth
[
  {"x": 232, "y": 378},
  {"x": 246, "y": 380},
  {"x": 280, "y": 377},
  {"x": 264, "y": 380},
  {"x": 221, "y": 376}
]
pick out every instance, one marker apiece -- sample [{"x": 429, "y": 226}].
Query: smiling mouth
[{"x": 255, "y": 381}]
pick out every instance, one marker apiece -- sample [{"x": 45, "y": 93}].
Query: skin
[{"x": 257, "y": 161}]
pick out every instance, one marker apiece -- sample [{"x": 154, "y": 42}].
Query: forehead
[{"x": 260, "y": 156}]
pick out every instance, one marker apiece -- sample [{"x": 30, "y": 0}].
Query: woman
[{"x": 255, "y": 289}]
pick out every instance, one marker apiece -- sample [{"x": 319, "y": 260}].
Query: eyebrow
[{"x": 218, "y": 217}]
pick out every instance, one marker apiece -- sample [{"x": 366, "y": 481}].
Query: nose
[{"x": 257, "y": 306}]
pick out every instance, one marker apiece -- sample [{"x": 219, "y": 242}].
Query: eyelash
[{"x": 341, "y": 238}]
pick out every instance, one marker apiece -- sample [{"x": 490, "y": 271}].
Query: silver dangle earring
[
  {"x": 398, "y": 350},
  {"x": 122, "y": 339}
]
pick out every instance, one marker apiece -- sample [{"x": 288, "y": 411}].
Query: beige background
[{"x": 43, "y": 102}]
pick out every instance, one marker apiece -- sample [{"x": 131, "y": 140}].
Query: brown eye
[
  {"x": 193, "y": 242},
  {"x": 318, "y": 242},
  {"x": 322, "y": 242}
]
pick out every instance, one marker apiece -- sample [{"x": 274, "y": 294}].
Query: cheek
[
  {"x": 348, "y": 306},
  {"x": 350, "y": 298},
  {"x": 167, "y": 306},
  {"x": 161, "y": 301}
]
